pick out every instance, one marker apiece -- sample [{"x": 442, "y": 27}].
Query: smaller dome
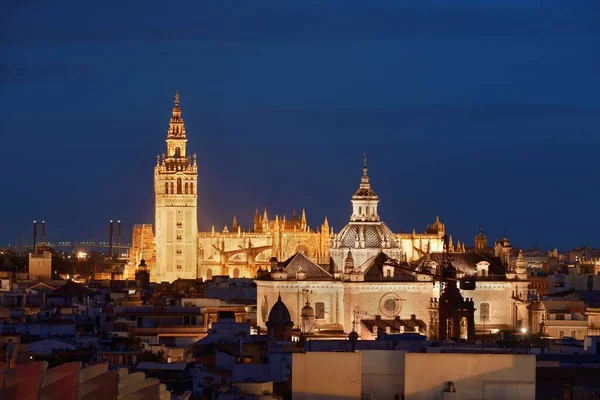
[
  {"x": 307, "y": 310},
  {"x": 279, "y": 315},
  {"x": 537, "y": 306}
]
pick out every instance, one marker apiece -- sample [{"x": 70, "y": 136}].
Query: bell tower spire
[{"x": 176, "y": 138}]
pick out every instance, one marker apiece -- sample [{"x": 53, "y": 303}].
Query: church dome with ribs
[
  {"x": 371, "y": 234},
  {"x": 365, "y": 236}
]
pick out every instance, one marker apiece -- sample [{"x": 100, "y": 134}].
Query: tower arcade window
[
  {"x": 192, "y": 188},
  {"x": 167, "y": 187},
  {"x": 172, "y": 191},
  {"x": 177, "y": 152},
  {"x": 186, "y": 188},
  {"x": 179, "y": 190}
]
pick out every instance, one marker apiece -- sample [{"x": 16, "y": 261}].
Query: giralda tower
[{"x": 176, "y": 202}]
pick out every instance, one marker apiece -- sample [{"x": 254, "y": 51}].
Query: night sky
[{"x": 486, "y": 113}]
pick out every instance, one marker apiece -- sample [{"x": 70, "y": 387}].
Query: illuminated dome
[
  {"x": 365, "y": 236},
  {"x": 537, "y": 305},
  {"x": 307, "y": 310},
  {"x": 374, "y": 235}
]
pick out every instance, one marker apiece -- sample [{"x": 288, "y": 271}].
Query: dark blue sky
[{"x": 485, "y": 112}]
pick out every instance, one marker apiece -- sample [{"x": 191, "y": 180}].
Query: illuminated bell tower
[{"x": 176, "y": 199}]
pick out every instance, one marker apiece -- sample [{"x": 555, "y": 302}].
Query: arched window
[
  {"x": 167, "y": 187},
  {"x": 179, "y": 191},
  {"x": 464, "y": 334},
  {"x": 359, "y": 210},
  {"x": 172, "y": 190},
  {"x": 236, "y": 273},
  {"x": 484, "y": 311},
  {"x": 186, "y": 188},
  {"x": 208, "y": 274},
  {"x": 192, "y": 188},
  {"x": 319, "y": 310},
  {"x": 177, "y": 152}
]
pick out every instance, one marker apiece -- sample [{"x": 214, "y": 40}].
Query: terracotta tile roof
[{"x": 299, "y": 261}]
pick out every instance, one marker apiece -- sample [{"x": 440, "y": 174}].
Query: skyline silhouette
[{"x": 484, "y": 114}]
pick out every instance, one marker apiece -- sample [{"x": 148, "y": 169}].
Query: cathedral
[
  {"x": 365, "y": 278},
  {"x": 174, "y": 248}
]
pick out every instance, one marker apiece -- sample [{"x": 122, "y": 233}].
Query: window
[
  {"x": 209, "y": 274},
  {"x": 179, "y": 191},
  {"x": 172, "y": 190},
  {"x": 359, "y": 210},
  {"x": 178, "y": 267},
  {"x": 236, "y": 273},
  {"x": 388, "y": 273},
  {"x": 186, "y": 188},
  {"x": 192, "y": 188},
  {"x": 574, "y": 334},
  {"x": 320, "y": 310},
  {"x": 463, "y": 328},
  {"x": 177, "y": 152},
  {"x": 561, "y": 334},
  {"x": 484, "y": 312},
  {"x": 167, "y": 187},
  {"x": 560, "y": 317}
]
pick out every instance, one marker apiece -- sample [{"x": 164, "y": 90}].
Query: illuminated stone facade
[
  {"x": 239, "y": 254},
  {"x": 176, "y": 202},
  {"x": 40, "y": 263},
  {"x": 177, "y": 250},
  {"x": 361, "y": 284}
]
